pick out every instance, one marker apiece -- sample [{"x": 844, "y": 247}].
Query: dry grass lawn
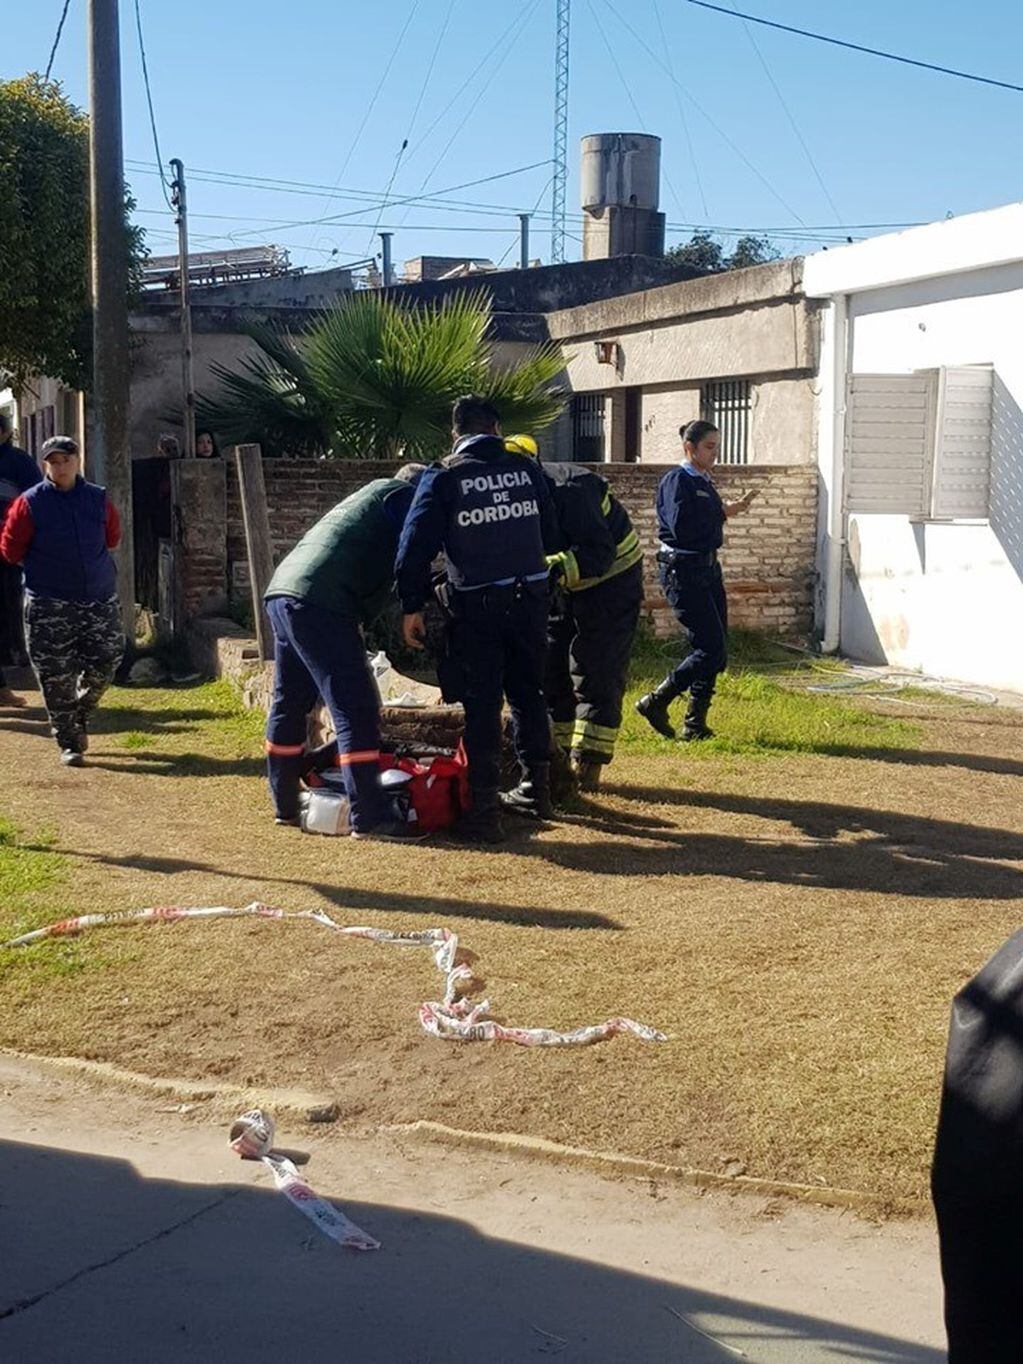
[{"x": 795, "y": 912}]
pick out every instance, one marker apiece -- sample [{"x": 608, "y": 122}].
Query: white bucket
[{"x": 326, "y": 812}]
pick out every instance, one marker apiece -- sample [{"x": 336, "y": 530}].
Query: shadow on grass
[
  {"x": 28, "y": 724},
  {"x": 180, "y": 765},
  {"x": 911, "y": 757},
  {"x": 353, "y": 898},
  {"x": 881, "y": 851},
  {"x": 155, "y": 1260},
  {"x": 120, "y": 719}
]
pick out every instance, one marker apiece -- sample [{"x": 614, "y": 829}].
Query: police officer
[
  {"x": 338, "y": 577},
  {"x": 690, "y": 517},
  {"x": 490, "y": 511},
  {"x": 591, "y": 629}
]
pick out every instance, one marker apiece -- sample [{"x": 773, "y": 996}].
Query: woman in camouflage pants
[{"x": 61, "y": 532}]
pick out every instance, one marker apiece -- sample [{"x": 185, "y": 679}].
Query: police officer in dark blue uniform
[
  {"x": 491, "y": 513},
  {"x": 690, "y": 518}
]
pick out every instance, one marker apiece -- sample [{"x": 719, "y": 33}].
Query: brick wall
[{"x": 768, "y": 556}]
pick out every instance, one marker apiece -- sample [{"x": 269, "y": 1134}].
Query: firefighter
[
  {"x": 491, "y": 513},
  {"x": 690, "y": 517},
  {"x": 593, "y": 624},
  {"x": 338, "y": 577}
]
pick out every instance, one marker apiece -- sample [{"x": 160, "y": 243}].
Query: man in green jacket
[{"x": 337, "y": 578}]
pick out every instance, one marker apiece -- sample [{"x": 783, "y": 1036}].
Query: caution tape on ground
[
  {"x": 454, "y": 1019},
  {"x": 252, "y": 1137}
]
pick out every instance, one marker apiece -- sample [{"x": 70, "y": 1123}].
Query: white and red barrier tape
[
  {"x": 252, "y": 1137},
  {"x": 454, "y": 1019}
]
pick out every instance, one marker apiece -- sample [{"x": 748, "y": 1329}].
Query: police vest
[{"x": 494, "y": 532}]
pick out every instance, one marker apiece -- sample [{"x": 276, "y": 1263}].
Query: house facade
[
  {"x": 920, "y": 448},
  {"x": 739, "y": 349}
]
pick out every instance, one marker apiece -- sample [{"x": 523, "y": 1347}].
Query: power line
[
  {"x": 462, "y": 207},
  {"x": 419, "y": 198},
  {"x": 857, "y": 47},
  {"x": 789, "y": 115},
  {"x": 149, "y": 101},
  {"x": 56, "y": 41},
  {"x": 535, "y": 209},
  {"x": 681, "y": 110},
  {"x": 491, "y": 74},
  {"x": 628, "y": 91},
  {"x": 699, "y": 107},
  {"x": 376, "y": 95},
  {"x": 482, "y": 209},
  {"x": 477, "y": 67},
  {"x": 429, "y": 69},
  {"x": 387, "y": 192}
]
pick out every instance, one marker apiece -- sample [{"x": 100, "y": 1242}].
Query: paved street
[{"x": 134, "y": 1234}]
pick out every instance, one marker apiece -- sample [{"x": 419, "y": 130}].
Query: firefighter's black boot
[
  {"x": 588, "y": 774},
  {"x": 483, "y": 822},
  {"x": 695, "y": 725},
  {"x": 654, "y": 707},
  {"x": 532, "y": 796}
]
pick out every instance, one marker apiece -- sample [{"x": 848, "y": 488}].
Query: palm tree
[
  {"x": 270, "y": 400},
  {"x": 375, "y": 379}
]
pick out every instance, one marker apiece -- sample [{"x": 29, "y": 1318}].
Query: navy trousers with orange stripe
[{"x": 319, "y": 654}]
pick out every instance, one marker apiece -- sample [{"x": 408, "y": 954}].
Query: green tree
[
  {"x": 705, "y": 252},
  {"x": 752, "y": 250},
  {"x": 374, "y": 378},
  {"x": 44, "y": 233}
]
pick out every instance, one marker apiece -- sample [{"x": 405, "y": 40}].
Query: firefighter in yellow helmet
[{"x": 590, "y": 636}]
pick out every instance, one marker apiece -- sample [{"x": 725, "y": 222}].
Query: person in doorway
[
  {"x": 690, "y": 519},
  {"x": 592, "y": 625},
  {"x": 18, "y": 473},
  {"x": 490, "y": 511},
  {"x": 338, "y": 577},
  {"x": 61, "y": 532},
  {"x": 168, "y": 447},
  {"x": 206, "y": 446}
]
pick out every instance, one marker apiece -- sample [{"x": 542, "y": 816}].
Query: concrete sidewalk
[{"x": 132, "y": 1234}]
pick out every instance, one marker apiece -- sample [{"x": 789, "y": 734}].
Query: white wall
[{"x": 946, "y": 598}]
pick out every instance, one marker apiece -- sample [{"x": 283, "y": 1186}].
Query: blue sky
[{"x": 256, "y": 88}]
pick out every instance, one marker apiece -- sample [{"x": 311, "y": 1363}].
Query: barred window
[
  {"x": 728, "y": 404},
  {"x": 588, "y": 428}
]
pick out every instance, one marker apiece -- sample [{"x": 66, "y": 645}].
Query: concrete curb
[
  {"x": 301, "y": 1104},
  {"x": 294, "y": 1103},
  {"x": 605, "y": 1162}
]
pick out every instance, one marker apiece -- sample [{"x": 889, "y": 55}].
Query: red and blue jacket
[{"x": 62, "y": 540}]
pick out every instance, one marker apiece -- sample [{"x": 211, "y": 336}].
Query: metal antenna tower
[{"x": 560, "y": 132}]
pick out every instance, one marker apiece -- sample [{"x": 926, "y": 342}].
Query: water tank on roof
[{"x": 621, "y": 170}]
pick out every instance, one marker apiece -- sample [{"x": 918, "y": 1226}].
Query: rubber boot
[
  {"x": 654, "y": 707},
  {"x": 532, "y": 796},
  {"x": 588, "y": 774},
  {"x": 695, "y": 725},
  {"x": 483, "y": 822}
]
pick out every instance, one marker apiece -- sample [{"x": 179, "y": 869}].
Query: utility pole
[
  {"x": 180, "y": 203},
  {"x": 110, "y": 450},
  {"x": 560, "y": 131}
]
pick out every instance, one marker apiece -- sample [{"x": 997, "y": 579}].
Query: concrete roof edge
[
  {"x": 706, "y": 294},
  {"x": 976, "y": 241}
]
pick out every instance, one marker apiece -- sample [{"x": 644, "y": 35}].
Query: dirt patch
[{"x": 797, "y": 925}]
